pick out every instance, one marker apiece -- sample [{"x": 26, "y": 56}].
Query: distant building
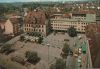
[
  {"x": 36, "y": 21},
  {"x": 10, "y": 26},
  {"x": 17, "y": 25},
  {"x": 79, "y": 20}
]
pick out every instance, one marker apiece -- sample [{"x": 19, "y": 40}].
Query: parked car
[
  {"x": 79, "y": 37},
  {"x": 79, "y": 50},
  {"x": 75, "y": 55},
  {"x": 66, "y": 39}
]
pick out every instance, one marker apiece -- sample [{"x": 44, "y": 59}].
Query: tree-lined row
[{"x": 7, "y": 8}]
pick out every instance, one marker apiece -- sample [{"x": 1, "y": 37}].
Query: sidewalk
[{"x": 83, "y": 60}]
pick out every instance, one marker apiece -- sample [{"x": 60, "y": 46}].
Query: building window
[
  {"x": 42, "y": 26},
  {"x": 34, "y": 29},
  {"x": 78, "y": 29},
  {"x": 42, "y": 30},
  {"x": 39, "y": 30},
  {"x": 39, "y": 26},
  {"x": 27, "y": 25},
  {"x": 32, "y": 25},
  {"x": 25, "y": 29}
]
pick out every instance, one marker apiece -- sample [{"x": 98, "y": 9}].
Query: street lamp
[{"x": 48, "y": 52}]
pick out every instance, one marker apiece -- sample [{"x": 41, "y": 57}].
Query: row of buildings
[
  {"x": 34, "y": 21},
  {"x": 40, "y": 21}
]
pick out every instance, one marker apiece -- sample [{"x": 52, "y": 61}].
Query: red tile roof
[
  {"x": 2, "y": 20},
  {"x": 64, "y": 15},
  {"x": 14, "y": 20},
  {"x": 84, "y": 12},
  {"x": 38, "y": 17},
  {"x": 94, "y": 27}
]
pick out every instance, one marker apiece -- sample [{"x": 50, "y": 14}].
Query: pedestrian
[{"x": 80, "y": 66}]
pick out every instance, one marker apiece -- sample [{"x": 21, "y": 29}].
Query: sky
[{"x": 34, "y": 0}]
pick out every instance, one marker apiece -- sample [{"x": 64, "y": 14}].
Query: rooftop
[
  {"x": 84, "y": 12},
  {"x": 15, "y": 20},
  {"x": 93, "y": 32},
  {"x": 38, "y": 17},
  {"x": 72, "y": 20}
]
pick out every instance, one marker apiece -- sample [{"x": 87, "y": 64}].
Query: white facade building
[{"x": 79, "y": 21}]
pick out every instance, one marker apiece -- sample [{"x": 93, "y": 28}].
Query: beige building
[
  {"x": 36, "y": 21},
  {"x": 10, "y": 26},
  {"x": 16, "y": 25},
  {"x": 63, "y": 21}
]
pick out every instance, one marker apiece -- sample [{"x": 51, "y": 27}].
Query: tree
[
  {"x": 7, "y": 8},
  {"x": 60, "y": 64},
  {"x": 40, "y": 40},
  {"x": 32, "y": 57},
  {"x": 22, "y": 38},
  {"x": 72, "y": 32},
  {"x": 31, "y": 6},
  {"x": 65, "y": 50},
  {"x": 67, "y": 9},
  {"x": 6, "y": 49}
]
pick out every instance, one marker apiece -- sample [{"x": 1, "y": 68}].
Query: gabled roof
[
  {"x": 38, "y": 17},
  {"x": 14, "y": 20}
]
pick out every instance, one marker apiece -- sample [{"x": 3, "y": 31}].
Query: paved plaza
[{"x": 48, "y": 54}]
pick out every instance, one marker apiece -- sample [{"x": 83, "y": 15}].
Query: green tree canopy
[
  {"x": 65, "y": 51},
  {"x": 7, "y": 48},
  {"x": 32, "y": 57},
  {"x": 7, "y": 8},
  {"x": 72, "y": 32},
  {"x": 40, "y": 40},
  {"x": 66, "y": 48},
  {"x": 22, "y": 38},
  {"x": 60, "y": 64}
]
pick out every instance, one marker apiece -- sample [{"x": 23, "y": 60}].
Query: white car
[
  {"x": 79, "y": 60},
  {"x": 79, "y": 57},
  {"x": 79, "y": 50},
  {"x": 79, "y": 37},
  {"x": 75, "y": 55}
]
